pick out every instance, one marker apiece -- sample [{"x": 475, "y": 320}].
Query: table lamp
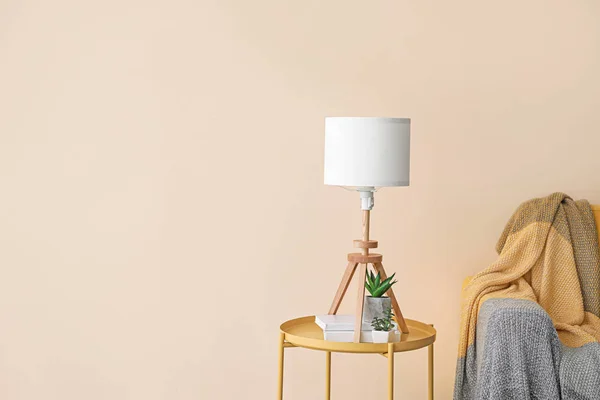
[{"x": 364, "y": 154}]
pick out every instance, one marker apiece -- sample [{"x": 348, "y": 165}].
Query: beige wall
[{"x": 161, "y": 199}]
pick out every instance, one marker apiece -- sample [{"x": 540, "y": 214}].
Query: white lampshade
[{"x": 367, "y": 151}]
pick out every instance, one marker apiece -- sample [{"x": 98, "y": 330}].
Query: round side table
[{"x": 304, "y": 332}]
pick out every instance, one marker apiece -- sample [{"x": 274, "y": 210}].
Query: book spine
[{"x": 347, "y": 336}]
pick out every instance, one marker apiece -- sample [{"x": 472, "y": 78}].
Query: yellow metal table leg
[
  {"x": 280, "y": 383},
  {"x": 328, "y": 375},
  {"x": 390, "y": 371},
  {"x": 430, "y": 349}
]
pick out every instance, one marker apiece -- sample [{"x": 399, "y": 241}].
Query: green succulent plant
[
  {"x": 384, "y": 324},
  {"x": 376, "y": 286}
]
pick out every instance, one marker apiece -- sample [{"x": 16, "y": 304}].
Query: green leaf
[
  {"x": 388, "y": 280},
  {"x": 378, "y": 279},
  {"x": 385, "y": 323},
  {"x": 379, "y": 291}
]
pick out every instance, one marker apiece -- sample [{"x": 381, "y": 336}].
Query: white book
[
  {"x": 341, "y": 323},
  {"x": 348, "y": 336}
]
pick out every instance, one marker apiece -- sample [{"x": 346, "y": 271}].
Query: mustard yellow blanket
[{"x": 541, "y": 296}]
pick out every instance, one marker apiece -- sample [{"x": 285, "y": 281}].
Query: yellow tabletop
[{"x": 304, "y": 332}]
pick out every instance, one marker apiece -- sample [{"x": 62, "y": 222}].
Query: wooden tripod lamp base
[{"x": 361, "y": 261}]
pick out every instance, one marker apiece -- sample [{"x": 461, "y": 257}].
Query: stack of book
[{"x": 340, "y": 328}]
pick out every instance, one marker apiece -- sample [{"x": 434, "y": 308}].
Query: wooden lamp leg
[
  {"x": 360, "y": 302},
  {"x": 339, "y": 295},
  {"x": 401, "y": 323},
  {"x": 362, "y": 276}
]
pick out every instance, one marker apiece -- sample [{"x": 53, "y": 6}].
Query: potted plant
[
  {"x": 377, "y": 303},
  {"x": 382, "y": 327}
]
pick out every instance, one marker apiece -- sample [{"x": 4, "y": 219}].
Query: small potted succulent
[
  {"x": 377, "y": 303},
  {"x": 383, "y": 327}
]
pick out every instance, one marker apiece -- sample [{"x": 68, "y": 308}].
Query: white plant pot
[
  {"x": 381, "y": 336},
  {"x": 375, "y": 307}
]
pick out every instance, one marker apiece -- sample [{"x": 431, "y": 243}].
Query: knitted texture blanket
[{"x": 530, "y": 322}]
